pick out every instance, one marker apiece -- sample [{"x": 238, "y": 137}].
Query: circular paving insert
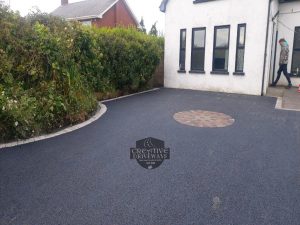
[{"x": 200, "y": 118}]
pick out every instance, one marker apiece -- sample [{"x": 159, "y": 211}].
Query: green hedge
[
  {"x": 129, "y": 57},
  {"x": 51, "y": 69}
]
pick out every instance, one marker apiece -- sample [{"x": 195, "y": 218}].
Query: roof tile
[{"x": 88, "y": 8}]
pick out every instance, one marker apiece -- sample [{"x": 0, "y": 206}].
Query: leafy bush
[
  {"x": 130, "y": 57},
  {"x": 17, "y": 114},
  {"x": 42, "y": 80},
  {"x": 50, "y": 70}
]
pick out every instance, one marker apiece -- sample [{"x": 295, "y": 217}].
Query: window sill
[
  {"x": 201, "y": 1},
  {"x": 197, "y": 71},
  {"x": 181, "y": 71},
  {"x": 239, "y": 73},
  {"x": 219, "y": 72}
]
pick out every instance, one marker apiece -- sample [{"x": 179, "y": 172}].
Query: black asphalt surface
[{"x": 245, "y": 174}]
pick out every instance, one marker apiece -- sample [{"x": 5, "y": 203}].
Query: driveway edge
[
  {"x": 100, "y": 112},
  {"x": 126, "y": 96}
]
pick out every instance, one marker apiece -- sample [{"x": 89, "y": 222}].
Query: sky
[{"x": 148, "y": 9}]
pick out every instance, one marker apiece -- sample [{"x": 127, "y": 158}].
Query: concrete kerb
[
  {"x": 100, "y": 112},
  {"x": 126, "y": 96}
]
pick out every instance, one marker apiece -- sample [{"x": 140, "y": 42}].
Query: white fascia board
[
  {"x": 85, "y": 17},
  {"x": 101, "y": 15}
]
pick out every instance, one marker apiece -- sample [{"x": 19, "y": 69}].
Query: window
[
  {"x": 296, "y": 53},
  {"x": 240, "y": 48},
  {"x": 198, "y": 49},
  {"x": 182, "y": 50},
  {"x": 86, "y": 23},
  {"x": 221, "y": 49},
  {"x": 200, "y": 1}
]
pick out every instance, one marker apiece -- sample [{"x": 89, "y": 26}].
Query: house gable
[
  {"x": 118, "y": 15},
  {"x": 124, "y": 14},
  {"x": 91, "y": 9}
]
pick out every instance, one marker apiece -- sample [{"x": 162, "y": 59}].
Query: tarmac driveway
[{"x": 244, "y": 174}]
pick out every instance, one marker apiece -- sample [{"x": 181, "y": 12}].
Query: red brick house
[{"x": 99, "y": 13}]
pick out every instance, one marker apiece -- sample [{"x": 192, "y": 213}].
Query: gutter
[
  {"x": 266, "y": 49},
  {"x": 163, "y": 6},
  {"x": 85, "y": 17}
]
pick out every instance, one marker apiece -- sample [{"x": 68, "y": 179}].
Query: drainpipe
[
  {"x": 276, "y": 39},
  {"x": 272, "y": 45},
  {"x": 275, "y": 56},
  {"x": 266, "y": 49}
]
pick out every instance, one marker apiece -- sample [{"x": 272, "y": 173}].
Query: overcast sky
[{"x": 146, "y": 8}]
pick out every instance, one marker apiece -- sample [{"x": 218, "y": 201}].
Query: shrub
[
  {"x": 41, "y": 86},
  {"x": 50, "y": 70},
  {"x": 17, "y": 115},
  {"x": 130, "y": 57}
]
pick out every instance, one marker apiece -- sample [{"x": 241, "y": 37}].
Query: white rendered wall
[
  {"x": 286, "y": 27},
  {"x": 186, "y": 15}
]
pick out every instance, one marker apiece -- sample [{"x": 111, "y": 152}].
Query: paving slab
[{"x": 289, "y": 99}]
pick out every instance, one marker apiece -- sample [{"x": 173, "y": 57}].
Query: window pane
[
  {"x": 183, "y": 39},
  {"x": 87, "y": 23},
  {"x": 182, "y": 60},
  {"x": 182, "y": 49},
  {"x": 240, "y": 60},
  {"x": 242, "y": 36},
  {"x": 296, "y": 63},
  {"x": 198, "y": 59},
  {"x": 222, "y": 37},
  {"x": 297, "y": 38},
  {"x": 221, "y": 59},
  {"x": 199, "y": 39}
]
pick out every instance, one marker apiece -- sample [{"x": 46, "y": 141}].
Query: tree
[
  {"x": 153, "y": 30},
  {"x": 142, "y": 26}
]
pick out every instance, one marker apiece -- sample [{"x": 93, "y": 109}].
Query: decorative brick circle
[{"x": 200, "y": 118}]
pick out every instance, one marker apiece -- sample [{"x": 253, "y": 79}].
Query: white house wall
[
  {"x": 186, "y": 15},
  {"x": 287, "y": 22}
]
